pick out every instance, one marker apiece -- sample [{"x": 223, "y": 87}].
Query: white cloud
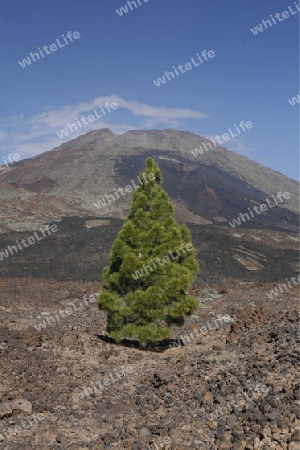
[
  {"x": 238, "y": 146},
  {"x": 234, "y": 144},
  {"x": 35, "y": 134}
]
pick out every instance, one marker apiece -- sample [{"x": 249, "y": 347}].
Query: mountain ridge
[{"x": 71, "y": 177}]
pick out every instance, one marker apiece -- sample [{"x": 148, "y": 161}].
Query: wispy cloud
[
  {"x": 238, "y": 146},
  {"x": 32, "y": 135},
  {"x": 234, "y": 144}
]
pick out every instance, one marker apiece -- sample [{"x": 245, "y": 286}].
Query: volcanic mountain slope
[
  {"x": 70, "y": 180},
  {"x": 188, "y": 393}
]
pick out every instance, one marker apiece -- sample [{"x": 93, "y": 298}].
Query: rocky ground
[
  {"x": 180, "y": 398},
  {"x": 80, "y": 249}
]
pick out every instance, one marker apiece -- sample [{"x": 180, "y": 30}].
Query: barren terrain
[
  {"x": 168, "y": 394},
  {"x": 226, "y": 380}
]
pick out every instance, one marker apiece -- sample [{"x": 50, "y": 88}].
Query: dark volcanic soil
[
  {"x": 169, "y": 395},
  {"x": 77, "y": 252}
]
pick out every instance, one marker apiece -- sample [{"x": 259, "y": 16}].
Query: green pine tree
[{"x": 144, "y": 289}]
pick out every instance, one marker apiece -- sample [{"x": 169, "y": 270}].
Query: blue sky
[{"x": 117, "y": 58}]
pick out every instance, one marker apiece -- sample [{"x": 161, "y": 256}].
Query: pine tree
[{"x": 152, "y": 264}]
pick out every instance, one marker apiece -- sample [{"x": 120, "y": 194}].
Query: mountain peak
[{"x": 213, "y": 187}]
